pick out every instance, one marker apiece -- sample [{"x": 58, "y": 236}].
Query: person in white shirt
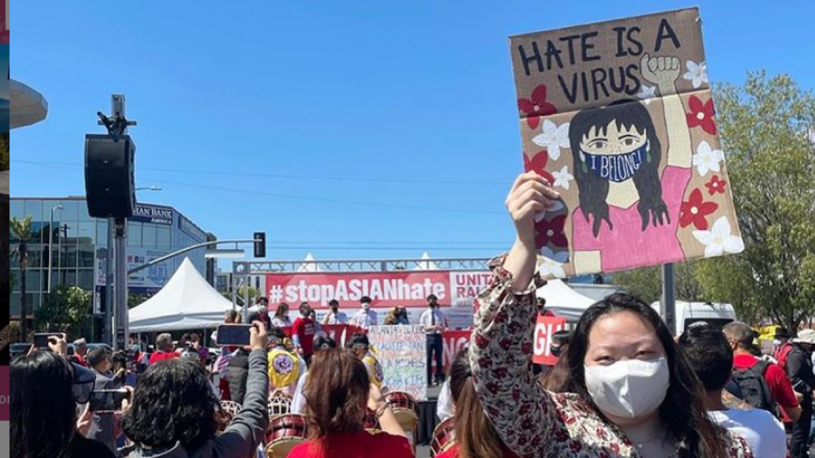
[
  {"x": 281, "y": 317},
  {"x": 710, "y": 356},
  {"x": 434, "y": 322},
  {"x": 334, "y": 316},
  {"x": 445, "y": 406},
  {"x": 365, "y": 317}
]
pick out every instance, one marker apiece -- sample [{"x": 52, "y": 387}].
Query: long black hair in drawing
[{"x": 593, "y": 190}]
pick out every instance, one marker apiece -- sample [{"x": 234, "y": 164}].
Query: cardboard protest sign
[
  {"x": 400, "y": 351},
  {"x": 618, "y": 116}
]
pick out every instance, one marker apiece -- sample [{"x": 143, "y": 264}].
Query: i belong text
[{"x": 590, "y": 83}]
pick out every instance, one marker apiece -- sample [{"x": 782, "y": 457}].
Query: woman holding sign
[{"x": 631, "y": 393}]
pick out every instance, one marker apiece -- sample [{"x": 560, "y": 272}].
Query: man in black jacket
[
  {"x": 238, "y": 369},
  {"x": 799, "y": 369}
]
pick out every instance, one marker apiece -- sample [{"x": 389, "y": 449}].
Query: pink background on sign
[{"x": 4, "y": 391}]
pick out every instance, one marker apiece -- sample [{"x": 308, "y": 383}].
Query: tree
[
  {"x": 646, "y": 283},
  {"x": 65, "y": 310},
  {"x": 134, "y": 299},
  {"x": 253, "y": 295},
  {"x": 767, "y": 131},
  {"x": 4, "y": 151},
  {"x": 21, "y": 231}
]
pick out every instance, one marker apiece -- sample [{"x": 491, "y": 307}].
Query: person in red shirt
[
  {"x": 337, "y": 393},
  {"x": 164, "y": 349},
  {"x": 740, "y": 336},
  {"x": 783, "y": 346},
  {"x": 303, "y": 333},
  {"x": 475, "y": 436}
]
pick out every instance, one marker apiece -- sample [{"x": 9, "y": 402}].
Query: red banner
[
  {"x": 386, "y": 289},
  {"x": 338, "y": 332},
  {"x": 547, "y": 325},
  {"x": 454, "y": 341}
]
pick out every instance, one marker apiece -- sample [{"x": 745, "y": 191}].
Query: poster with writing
[
  {"x": 401, "y": 352},
  {"x": 542, "y": 339},
  {"x": 618, "y": 116}
]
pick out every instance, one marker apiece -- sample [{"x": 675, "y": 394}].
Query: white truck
[{"x": 714, "y": 313}]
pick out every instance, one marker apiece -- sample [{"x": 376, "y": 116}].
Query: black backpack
[{"x": 754, "y": 388}]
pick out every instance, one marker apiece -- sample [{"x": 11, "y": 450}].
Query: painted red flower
[
  {"x": 695, "y": 211},
  {"x": 701, "y": 114},
  {"x": 538, "y": 164},
  {"x": 551, "y": 231},
  {"x": 536, "y": 107},
  {"x": 716, "y": 185}
]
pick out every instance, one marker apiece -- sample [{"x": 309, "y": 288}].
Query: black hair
[
  {"x": 333, "y": 302},
  {"x": 97, "y": 356},
  {"x": 173, "y": 402},
  {"x": 709, "y": 354},
  {"x": 263, "y": 300},
  {"x": 322, "y": 342},
  {"x": 682, "y": 412},
  {"x": 592, "y": 189},
  {"x": 277, "y": 333},
  {"x": 358, "y": 339},
  {"x": 432, "y": 297},
  {"x": 42, "y": 406},
  {"x": 365, "y": 299},
  {"x": 562, "y": 337}
]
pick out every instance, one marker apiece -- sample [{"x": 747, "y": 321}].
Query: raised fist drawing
[{"x": 662, "y": 71}]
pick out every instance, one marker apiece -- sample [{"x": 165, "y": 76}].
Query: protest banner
[
  {"x": 401, "y": 352},
  {"x": 618, "y": 116},
  {"x": 454, "y": 342},
  {"x": 546, "y": 326}
]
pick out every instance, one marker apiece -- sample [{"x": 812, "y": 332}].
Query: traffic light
[{"x": 260, "y": 244}]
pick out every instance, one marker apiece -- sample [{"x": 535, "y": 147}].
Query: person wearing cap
[
  {"x": 365, "y": 317},
  {"x": 799, "y": 370},
  {"x": 783, "y": 346}
]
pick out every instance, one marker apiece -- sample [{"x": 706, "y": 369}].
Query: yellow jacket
[
  {"x": 284, "y": 368},
  {"x": 374, "y": 369}
]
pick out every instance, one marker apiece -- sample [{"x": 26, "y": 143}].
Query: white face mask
[
  {"x": 629, "y": 388},
  {"x": 776, "y": 342}
]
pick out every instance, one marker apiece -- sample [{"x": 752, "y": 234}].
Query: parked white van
[{"x": 714, "y": 313}]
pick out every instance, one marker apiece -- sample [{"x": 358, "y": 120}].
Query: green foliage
[
  {"x": 646, "y": 283},
  {"x": 65, "y": 310},
  {"x": 134, "y": 300},
  {"x": 767, "y": 128},
  {"x": 253, "y": 295},
  {"x": 20, "y": 230},
  {"x": 4, "y": 151}
]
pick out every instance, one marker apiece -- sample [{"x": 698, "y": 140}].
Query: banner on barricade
[
  {"x": 619, "y": 117},
  {"x": 401, "y": 352},
  {"x": 542, "y": 339},
  {"x": 454, "y": 342}
]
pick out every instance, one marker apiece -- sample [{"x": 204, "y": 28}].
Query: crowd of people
[{"x": 623, "y": 385}]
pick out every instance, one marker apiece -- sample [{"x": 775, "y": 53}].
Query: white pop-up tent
[
  {"x": 427, "y": 263},
  {"x": 563, "y": 300},
  {"x": 187, "y": 301}
]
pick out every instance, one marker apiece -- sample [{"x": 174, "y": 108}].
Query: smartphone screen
[
  {"x": 41, "y": 340},
  {"x": 234, "y": 334},
  {"x": 103, "y": 401}
]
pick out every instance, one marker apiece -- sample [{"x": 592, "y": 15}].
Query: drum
[
  {"x": 285, "y": 433},
  {"x": 228, "y": 411},
  {"x": 404, "y": 409},
  {"x": 444, "y": 437},
  {"x": 279, "y": 404}
]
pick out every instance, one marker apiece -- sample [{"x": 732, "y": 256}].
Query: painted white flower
[
  {"x": 556, "y": 205},
  {"x": 647, "y": 93},
  {"x": 718, "y": 240},
  {"x": 562, "y": 177},
  {"x": 553, "y": 138},
  {"x": 550, "y": 265},
  {"x": 696, "y": 74},
  {"x": 707, "y": 159}
]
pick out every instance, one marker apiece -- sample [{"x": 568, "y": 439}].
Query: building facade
[{"x": 78, "y": 244}]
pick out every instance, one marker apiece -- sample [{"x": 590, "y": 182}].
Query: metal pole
[
  {"x": 120, "y": 272},
  {"x": 246, "y": 299},
  {"x": 108, "y": 338},
  {"x": 59, "y": 253},
  {"x": 50, "y": 251},
  {"x": 668, "y": 303},
  {"x": 234, "y": 291}
]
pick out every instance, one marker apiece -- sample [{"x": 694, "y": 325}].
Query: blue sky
[{"x": 364, "y": 130}]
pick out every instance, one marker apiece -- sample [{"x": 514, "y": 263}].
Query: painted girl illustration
[{"x": 628, "y": 211}]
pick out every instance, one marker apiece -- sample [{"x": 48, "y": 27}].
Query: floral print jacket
[{"x": 531, "y": 421}]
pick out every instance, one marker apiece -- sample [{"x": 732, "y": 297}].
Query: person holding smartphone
[
  {"x": 173, "y": 413},
  {"x": 102, "y": 425}
]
